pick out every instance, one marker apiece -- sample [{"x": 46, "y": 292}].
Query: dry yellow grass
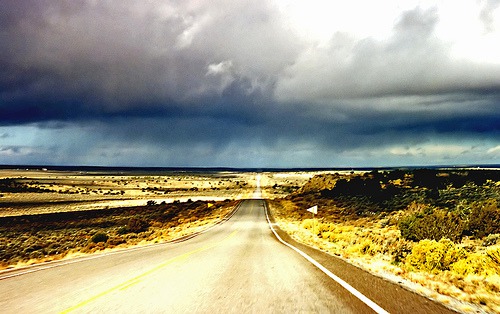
[
  {"x": 40, "y": 192},
  {"x": 186, "y": 223},
  {"x": 71, "y": 191},
  {"x": 473, "y": 284}
]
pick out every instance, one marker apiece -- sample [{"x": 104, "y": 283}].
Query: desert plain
[
  {"x": 51, "y": 214},
  {"x": 38, "y": 191},
  {"x": 436, "y": 232}
]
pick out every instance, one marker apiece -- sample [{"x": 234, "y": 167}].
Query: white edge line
[
  {"x": 59, "y": 263},
  {"x": 341, "y": 282}
]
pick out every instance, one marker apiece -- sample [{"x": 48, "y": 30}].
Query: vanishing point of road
[{"x": 238, "y": 266}]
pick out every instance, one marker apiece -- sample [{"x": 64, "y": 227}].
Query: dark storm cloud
[
  {"x": 82, "y": 59},
  {"x": 13, "y": 149},
  {"x": 106, "y": 79}
]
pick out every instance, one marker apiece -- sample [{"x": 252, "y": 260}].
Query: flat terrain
[
  {"x": 436, "y": 231},
  {"x": 48, "y": 215},
  {"x": 236, "y": 267},
  {"x": 364, "y": 218},
  {"x": 45, "y": 191}
]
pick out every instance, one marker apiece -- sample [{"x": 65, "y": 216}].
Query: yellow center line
[{"x": 130, "y": 282}]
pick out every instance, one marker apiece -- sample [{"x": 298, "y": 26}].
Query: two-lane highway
[{"x": 238, "y": 266}]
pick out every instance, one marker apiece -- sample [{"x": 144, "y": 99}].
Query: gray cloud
[
  {"x": 231, "y": 83},
  {"x": 411, "y": 62},
  {"x": 88, "y": 58},
  {"x": 486, "y": 14}
]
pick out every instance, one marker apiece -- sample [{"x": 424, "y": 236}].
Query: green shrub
[
  {"x": 431, "y": 256},
  {"x": 366, "y": 246},
  {"x": 116, "y": 240},
  {"x": 491, "y": 239},
  {"x": 137, "y": 225},
  {"x": 409, "y": 226},
  {"x": 433, "y": 225},
  {"x": 400, "y": 250},
  {"x": 473, "y": 264},
  {"x": 123, "y": 230},
  {"x": 99, "y": 237},
  {"x": 484, "y": 219}
]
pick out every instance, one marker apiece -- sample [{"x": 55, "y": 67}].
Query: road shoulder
[{"x": 390, "y": 296}]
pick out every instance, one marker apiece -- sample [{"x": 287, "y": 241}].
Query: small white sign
[{"x": 313, "y": 210}]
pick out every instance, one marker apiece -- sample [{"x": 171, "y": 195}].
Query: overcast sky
[{"x": 249, "y": 83}]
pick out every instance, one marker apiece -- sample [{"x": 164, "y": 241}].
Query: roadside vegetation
[
  {"x": 26, "y": 192},
  {"x": 47, "y": 215},
  {"x": 29, "y": 239},
  {"x": 437, "y": 228}
]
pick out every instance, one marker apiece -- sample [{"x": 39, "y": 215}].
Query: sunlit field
[
  {"x": 436, "y": 232},
  {"x": 48, "y": 215},
  {"x": 38, "y": 191}
]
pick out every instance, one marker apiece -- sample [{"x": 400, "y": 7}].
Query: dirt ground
[{"x": 46, "y": 191}]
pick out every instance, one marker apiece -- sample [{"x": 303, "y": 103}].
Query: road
[{"x": 238, "y": 267}]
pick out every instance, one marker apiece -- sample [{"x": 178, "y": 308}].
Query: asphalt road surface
[{"x": 238, "y": 267}]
